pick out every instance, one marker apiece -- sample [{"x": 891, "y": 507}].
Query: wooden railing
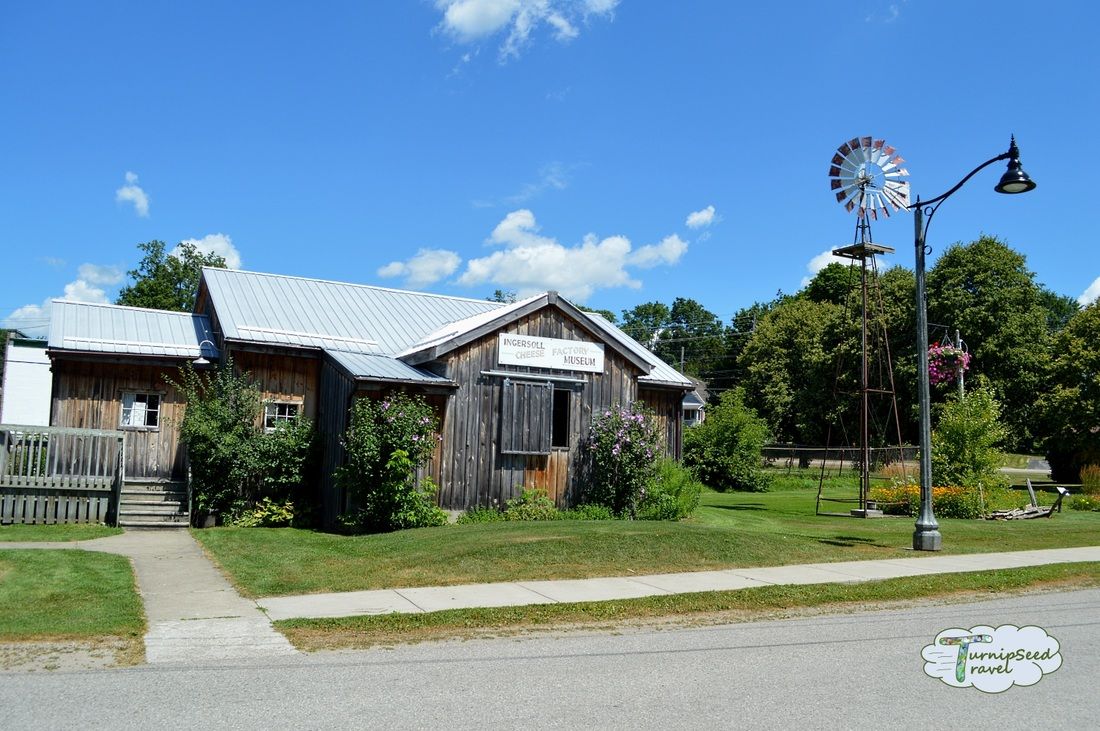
[{"x": 59, "y": 475}]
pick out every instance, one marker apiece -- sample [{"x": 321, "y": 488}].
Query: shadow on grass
[
  {"x": 850, "y": 541},
  {"x": 742, "y": 506}
]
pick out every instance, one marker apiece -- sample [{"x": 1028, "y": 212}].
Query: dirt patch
[{"x": 70, "y": 655}]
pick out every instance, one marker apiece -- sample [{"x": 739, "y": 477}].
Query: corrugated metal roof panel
[
  {"x": 100, "y": 328},
  {"x": 382, "y": 368},
  {"x": 460, "y": 327},
  {"x": 284, "y": 310}
]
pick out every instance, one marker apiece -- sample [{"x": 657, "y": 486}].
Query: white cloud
[
  {"x": 551, "y": 176},
  {"x": 531, "y": 262},
  {"x": 669, "y": 251},
  {"x": 426, "y": 268},
  {"x": 87, "y": 287},
  {"x": 700, "y": 219},
  {"x": 132, "y": 193},
  {"x": 1091, "y": 294},
  {"x": 471, "y": 21},
  {"x": 821, "y": 261},
  {"x": 220, "y": 244}
]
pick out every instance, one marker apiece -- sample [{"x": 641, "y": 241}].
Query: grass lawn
[
  {"x": 680, "y": 609},
  {"x": 67, "y": 595},
  {"x": 64, "y": 532},
  {"x": 728, "y": 530}
]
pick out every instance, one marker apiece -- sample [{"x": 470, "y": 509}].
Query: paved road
[{"x": 850, "y": 671}]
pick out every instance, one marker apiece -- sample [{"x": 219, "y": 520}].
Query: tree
[
  {"x": 964, "y": 443},
  {"x": 725, "y": 451},
  {"x": 790, "y": 367},
  {"x": 645, "y": 322},
  {"x": 167, "y": 281},
  {"x": 504, "y": 296},
  {"x": 1071, "y": 402},
  {"x": 835, "y": 283},
  {"x": 985, "y": 290}
]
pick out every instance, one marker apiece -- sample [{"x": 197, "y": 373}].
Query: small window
[
  {"x": 560, "y": 429},
  {"x": 276, "y": 412},
  {"x": 140, "y": 409}
]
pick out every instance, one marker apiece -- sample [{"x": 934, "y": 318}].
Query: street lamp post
[{"x": 926, "y": 536}]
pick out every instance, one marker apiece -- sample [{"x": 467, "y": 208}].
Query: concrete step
[
  {"x": 129, "y": 507},
  {"x": 153, "y": 516},
  {"x": 152, "y": 525},
  {"x": 130, "y": 496},
  {"x": 153, "y": 486}
]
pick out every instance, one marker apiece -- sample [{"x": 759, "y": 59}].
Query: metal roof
[
  {"x": 99, "y": 328},
  {"x": 662, "y": 373},
  {"x": 383, "y": 368},
  {"x": 315, "y": 313},
  {"x": 465, "y": 325}
]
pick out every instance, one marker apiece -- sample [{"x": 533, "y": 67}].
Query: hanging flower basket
[{"x": 945, "y": 361}]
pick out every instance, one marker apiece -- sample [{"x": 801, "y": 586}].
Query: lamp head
[
  {"x": 1015, "y": 180},
  {"x": 201, "y": 361}
]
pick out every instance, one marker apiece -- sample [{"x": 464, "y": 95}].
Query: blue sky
[{"x": 619, "y": 152}]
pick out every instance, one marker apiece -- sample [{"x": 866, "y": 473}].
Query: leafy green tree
[
  {"x": 646, "y": 322},
  {"x": 504, "y": 296},
  {"x": 235, "y": 464},
  {"x": 985, "y": 290},
  {"x": 1060, "y": 309},
  {"x": 165, "y": 281},
  {"x": 790, "y": 368},
  {"x": 1071, "y": 402},
  {"x": 725, "y": 451},
  {"x": 965, "y": 440},
  {"x": 835, "y": 283}
]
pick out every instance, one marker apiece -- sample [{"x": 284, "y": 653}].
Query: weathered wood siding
[
  {"x": 472, "y": 469},
  {"x": 334, "y": 403},
  {"x": 88, "y": 395},
  {"x": 667, "y": 406},
  {"x": 284, "y": 377}
]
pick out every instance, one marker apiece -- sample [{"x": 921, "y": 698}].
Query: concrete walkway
[
  {"x": 516, "y": 593},
  {"x": 194, "y": 615}
]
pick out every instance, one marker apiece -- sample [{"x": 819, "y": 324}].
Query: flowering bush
[
  {"x": 944, "y": 362},
  {"x": 621, "y": 454},
  {"x": 947, "y": 502},
  {"x": 386, "y": 441}
]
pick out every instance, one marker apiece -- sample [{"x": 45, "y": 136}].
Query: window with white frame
[
  {"x": 277, "y": 412},
  {"x": 140, "y": 409}
]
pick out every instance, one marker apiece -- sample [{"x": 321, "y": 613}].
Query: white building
[{"x": 27, "y": 383}]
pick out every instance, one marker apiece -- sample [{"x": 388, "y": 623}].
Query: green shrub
[
  {"x": 724, "y": 451},
  {"x": 673, "y": 494},
  {"x": 964, "y": 443},
  {"x": 266, "y": 514},
  {"x": 532, "y": 504},
  {"x": 480, "y": 514},
  {"x": 1085, "y": 502},
  {"x": 587, "y": 512},
  {"x": 620, "y": 459},
  {"x": 385, "y": 443},
  {"x": 234, "y": 463}
]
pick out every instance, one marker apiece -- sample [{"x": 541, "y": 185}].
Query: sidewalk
[
  {"x": 517, "y": 593},
  {"x": 196, "y": 616}
]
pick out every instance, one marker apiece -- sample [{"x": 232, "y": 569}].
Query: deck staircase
[{"x": 153, "y": 504}]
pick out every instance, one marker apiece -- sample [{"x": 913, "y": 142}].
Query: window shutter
[{"x": 526, "y": 417}]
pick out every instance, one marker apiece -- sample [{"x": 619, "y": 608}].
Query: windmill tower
[{"x": 867, "y": 178}]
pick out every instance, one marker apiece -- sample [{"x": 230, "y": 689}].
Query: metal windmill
[{"x": 867, "y": 177}]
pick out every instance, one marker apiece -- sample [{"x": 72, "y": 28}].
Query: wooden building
[{"x": 515, "y": 385}]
